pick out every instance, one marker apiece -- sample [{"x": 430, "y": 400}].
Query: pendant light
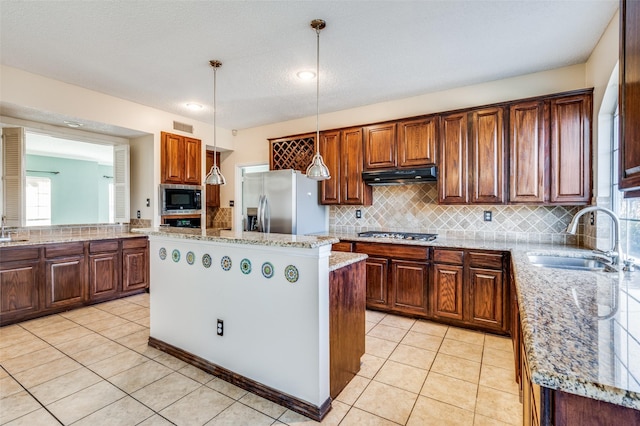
[
  {"x": 214, "y": 177},
  {"x": 317, "y": 170}
]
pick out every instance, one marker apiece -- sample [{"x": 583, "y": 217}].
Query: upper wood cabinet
[
  {"x": 452, "y": 160},
  {"x": 471, "y": 156},
  {"x": 528, "y": 158},
  {"x": 180, "y": 159},
  {"x": 342, "y": 153},
  {"x": 629, "y": 97},
  {"x": 550, "y": 151},
  {"x": 417, "y": 141},
  {"x": 487, "y": 156},
  {"x": 212, "y": 191},
  {"x": 570, "y": 149},
  {"x": 380, "y": 146}
]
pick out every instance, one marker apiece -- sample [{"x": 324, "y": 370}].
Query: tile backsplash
[{"x": 415, "y": 208}]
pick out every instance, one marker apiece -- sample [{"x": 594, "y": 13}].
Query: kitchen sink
[{"x": 564, "y": 262}]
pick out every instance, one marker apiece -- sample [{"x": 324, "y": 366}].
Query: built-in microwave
[{"x": 180, "y": 199}]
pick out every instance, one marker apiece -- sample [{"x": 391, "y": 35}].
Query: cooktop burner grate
[{"x": 398, "y": 235}]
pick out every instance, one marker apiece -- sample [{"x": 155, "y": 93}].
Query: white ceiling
[{"x": 157, "y": 53}]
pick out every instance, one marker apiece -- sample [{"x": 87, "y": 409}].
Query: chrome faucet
[
  {"x": 614, "y": 253},
  {"x": 4, "y": 237}
]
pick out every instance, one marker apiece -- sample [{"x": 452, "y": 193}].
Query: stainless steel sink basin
[{"x": 575, "y": 263}]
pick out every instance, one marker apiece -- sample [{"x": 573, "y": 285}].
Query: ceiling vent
[{"x": 183, "y": 127}]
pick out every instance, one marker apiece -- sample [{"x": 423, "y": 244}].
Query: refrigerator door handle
[
  {"x": 266, "y": 216},
  {"x": 259, "y": 223}
]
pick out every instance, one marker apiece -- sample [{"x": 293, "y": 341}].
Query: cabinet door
[
  {"x": 377, "y": 292},
  {"x": 409, "y": 284},
  {"x": 212, "y": 191},
  {"x": 172, "y": 158},
  {"x": 447, "y": 291},
  {"x": 64, "y": 282},
  {"x": 486, "y": 299},
  {"x": 629, "y": 94},
  {"x": 417, "y": 140},
  {"x": 487, "y": 156},
  {"x": 352, "y": 188},
  {"x": 19, "y": 289},
  {"x": 380, "y": 146},
  {"x": 192, "y": 161},
  {"x": 570, "y": 150},
  {"x": 452, "y": 169},
  {"x": 528, "y": 160},
  {"x": 135, "y": 269},
  {"x": 330, "y": 151},
  {"x": 103, "y": 275}
]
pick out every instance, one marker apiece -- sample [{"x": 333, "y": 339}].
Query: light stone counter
[
  {"x": 241, "y": 237},
  {"x": 581, "y": 329},
  {"x": 339, "y": 259},
  {"x": 69, "y": 238}
]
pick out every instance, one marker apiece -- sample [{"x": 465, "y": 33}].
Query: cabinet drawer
[
  {"x": 485, "y": 260},
  {"x": 67, "y": 249},
  {"x": 128, "y": 243},
  {"x": 103, "y": 245},
  {"x": 342, "y": 246},
  {"x": 396, "y": 251},
  {"x": 12, "y": 254},
  {"x": 448, "y": 256}
]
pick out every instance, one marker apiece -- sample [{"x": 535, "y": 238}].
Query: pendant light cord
[
  {"x": 318, "y": 91},
  {"x": 215, "y": 148}
]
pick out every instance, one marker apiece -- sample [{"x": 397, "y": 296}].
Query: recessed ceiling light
[
  {"x": 194, "y": 106},
  {"x": 306, "y": 75},
  {"x": 73, "y": 124}
]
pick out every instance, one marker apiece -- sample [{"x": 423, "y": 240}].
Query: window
[
  {"x": 38, "y": 201},
  {"x": 627, "y": 209}
]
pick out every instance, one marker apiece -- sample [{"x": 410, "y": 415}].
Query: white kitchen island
[{"x": 271, "y": 292}]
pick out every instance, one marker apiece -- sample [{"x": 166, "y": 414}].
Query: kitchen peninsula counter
[
  {"x": 580, "y": 329},
  {"x": 274, "y": 300}
]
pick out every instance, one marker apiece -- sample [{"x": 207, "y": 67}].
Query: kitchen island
[{"x": 254, "y": 309}]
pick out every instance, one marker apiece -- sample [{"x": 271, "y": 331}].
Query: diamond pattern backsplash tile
[{"x": 415, "y": 208}]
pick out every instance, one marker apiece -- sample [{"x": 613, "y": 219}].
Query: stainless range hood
[{"x": 400, "y": 177}]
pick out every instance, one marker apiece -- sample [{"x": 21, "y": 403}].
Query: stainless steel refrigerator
[{"x": 283, "y": 202}]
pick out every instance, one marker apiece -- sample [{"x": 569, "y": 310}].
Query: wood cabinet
[
  {"x": 417, "y": 142},
  {"x": 135, "y": 264},
  {"x": 570, "y": 150},
  {"x": 104, "y": 269},
  {"x": 629, "y": 96},
  {"x": 397, "y": 277},
  {"x": 452, "y": 159},
  {"x": 180, "y": 159},
  {"x": 20, "y": 283},
  {"x": 488, "y": 301},
  {"x": 486, "y": 166},
  {"x": 212, "y": 191},
  {"x": 478, "y": 134},
  {"x": 448, "y": 275},
  {"x": 380, "y": 146},
  {"x": 342, "y": 153},
  {"x": 528, "y": 153},
  {"x": 550, "y": 150},
  {"x": 39, "y": 280},
  {"x": 65, "y": 277},
  {"x": 346, "y": 324}
]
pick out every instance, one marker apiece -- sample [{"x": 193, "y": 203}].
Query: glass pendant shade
[
  {"x": 214, "y": 177},
  {"x": 317, "y": 170}
]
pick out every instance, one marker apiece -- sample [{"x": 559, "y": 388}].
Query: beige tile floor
[{"x": 92, "y": 366}]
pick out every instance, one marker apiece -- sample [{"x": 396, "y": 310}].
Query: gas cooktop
[{"x": 399, "y": 235}]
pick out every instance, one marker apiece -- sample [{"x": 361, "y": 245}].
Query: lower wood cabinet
[
  {"x": 377, "y": 289},
  {"x": 20, "y": 279},
  {"x": 43, "y": 279},
  {"x": 135, "y": 264},
  {"x": 447, "y": 291},
  {"x": 409, "y": 284},
  {"x": 486, "y": 298},
  {"x": 65, "y": 275}
]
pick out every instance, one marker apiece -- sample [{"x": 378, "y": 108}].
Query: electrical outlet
[
  {"x": 592, "y": 218},
  {"x": 487, "y": 216},
  {"x": 148, "y": 202},
  {"x": 220, "y": 328},
  {"x": 138, "y": 214},
  {"x": 358, "y": 214},
  {"x": 231, "y": 203}
]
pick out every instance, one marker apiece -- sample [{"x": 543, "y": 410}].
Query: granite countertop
[
  {"x": 241, "y": 237},
  {"x": 340, "y": 259},
  {"x": 581, "y": 329},
  {"x": 69, "y": 238}
]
